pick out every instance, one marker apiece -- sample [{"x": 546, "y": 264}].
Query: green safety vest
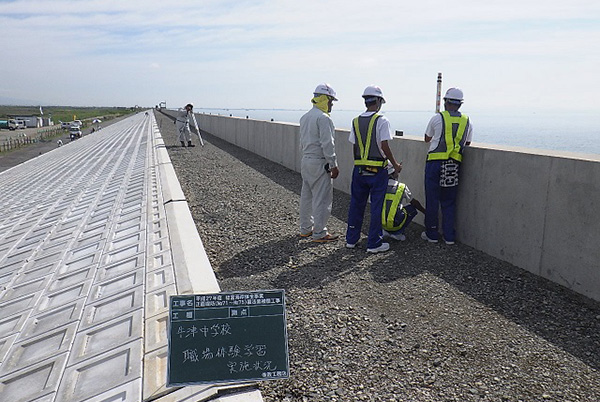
[
  {"x": 366, "y": 153},
  {"x": 452, "y": 141},
  {"x": 392, "y": 200}
]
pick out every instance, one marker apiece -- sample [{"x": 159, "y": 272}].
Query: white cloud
[{"x": 231, "y": 52}]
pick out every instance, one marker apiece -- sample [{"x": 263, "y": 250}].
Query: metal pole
[
  {"x": 439, "y": 93},
  {"x": 197, "y": 129}
]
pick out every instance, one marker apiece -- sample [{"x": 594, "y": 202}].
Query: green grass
[{"x": 65, "y": 113}]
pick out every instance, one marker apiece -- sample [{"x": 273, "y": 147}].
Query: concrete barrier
[
  {"x": 194, "y": 272},
  {"x": 533, "y": 209}
]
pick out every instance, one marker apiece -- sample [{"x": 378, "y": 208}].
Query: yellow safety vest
[
  {"x": 451, "y": 143},
  {"x": 390, "y": 207},
  {"x": 367, "y": 153}
]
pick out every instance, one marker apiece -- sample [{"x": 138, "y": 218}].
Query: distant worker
[
  {"x": 399, "y": 208},
  {"x": 183, "y": 125},
  {"x": 370, "y": 133},
  {"x": 448, "y": 133},
  {"x": 318, "y": 166}
]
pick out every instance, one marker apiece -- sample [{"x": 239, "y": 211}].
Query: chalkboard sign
[{"x": 227, "y": 337}]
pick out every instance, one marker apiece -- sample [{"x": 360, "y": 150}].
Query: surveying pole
[
  {"x": 197, "y": 129},
  {"x": 439, "y": 93}
]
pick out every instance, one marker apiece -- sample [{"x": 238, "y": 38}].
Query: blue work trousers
[
  {"x": 436, "y": 196},
  {"x": 362, "y": 187},
  {"x": 410, "y": 212}
]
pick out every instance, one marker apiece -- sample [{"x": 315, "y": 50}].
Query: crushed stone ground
[{"x": 422, "y": 322}]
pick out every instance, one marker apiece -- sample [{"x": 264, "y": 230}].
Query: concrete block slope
[{"x": 89, "y": 254}]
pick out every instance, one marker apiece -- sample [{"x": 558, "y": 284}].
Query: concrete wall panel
[
  {"x": 245, "y": 133},
  {"x": 571, "y": 253},
  {"x": 501, "y": 204},
  {"x": 273, "y": 142},
  {"x": 343, "y": 150},
  {"x": 290, "y": 145},
  {"x": 233, "y": 131},
  {"x": 261, "y": 134},
  {"x": 254, "y": 143}
]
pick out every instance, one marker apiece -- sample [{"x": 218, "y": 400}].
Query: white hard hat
[
  {"x": 325, "y": 89},
  {"x": 454, "y": 94},
  {"x": 373, "y": 90}
]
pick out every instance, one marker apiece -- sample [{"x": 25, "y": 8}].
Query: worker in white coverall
[
  {"x": 319, "y": 166},
  {"x": 182, "y": 123}
]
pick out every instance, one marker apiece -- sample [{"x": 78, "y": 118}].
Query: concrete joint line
[{"x": 182, "y": 200}]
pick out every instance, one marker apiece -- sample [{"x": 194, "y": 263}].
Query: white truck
[{"x": 68, "y": 124}]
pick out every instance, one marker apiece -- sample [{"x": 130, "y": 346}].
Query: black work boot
[
  {"x": 182, "y": 144},
  {"x": 190, "y": 144}
]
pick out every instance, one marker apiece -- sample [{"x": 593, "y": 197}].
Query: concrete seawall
[{"x": 534, "y": 210}]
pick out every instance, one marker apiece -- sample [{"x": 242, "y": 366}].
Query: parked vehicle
[
  {"x": 69, "y": 124},
  {"x": 21, "y": 125},
  {"x": 74, "y": 133},
  {"x": 12, "y": 124}
]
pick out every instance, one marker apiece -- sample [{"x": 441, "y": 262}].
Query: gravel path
[{"x": 423, "y": 322}]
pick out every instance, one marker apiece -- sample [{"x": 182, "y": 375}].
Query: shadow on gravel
[
  {"x": 314, "y": 275},
  {"x": 291, "y": 182},
  {"x": 562, "y": 317},
  {"x": 246, "y": 263},
  {"x": 320, "y": 272}
]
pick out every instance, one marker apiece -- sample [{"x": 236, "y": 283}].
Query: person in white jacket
[
  {"x": 319, "y": 166},
  {"x": 182, "y": 123}
]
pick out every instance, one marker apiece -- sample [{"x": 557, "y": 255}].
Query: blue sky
[{"x": 511, "y": 55}]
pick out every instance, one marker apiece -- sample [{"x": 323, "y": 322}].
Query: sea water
[{"x": 572, "y": 132}]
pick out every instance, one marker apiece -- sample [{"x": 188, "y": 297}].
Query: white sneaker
[
  {"x": 425, "y": 237},
  {"x": 350, "y": 245},
  {"x": 448, "y": 242},
  {"x": 382, "y": 248},
  {"x": 398, "y": 236}
]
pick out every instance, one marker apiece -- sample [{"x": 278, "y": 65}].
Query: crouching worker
[{"x": 396, "y": 214}]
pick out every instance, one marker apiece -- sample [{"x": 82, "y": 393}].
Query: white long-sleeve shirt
[
  {"x": 317, "y": 136},
  {"x": 183, "y": 117}
]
